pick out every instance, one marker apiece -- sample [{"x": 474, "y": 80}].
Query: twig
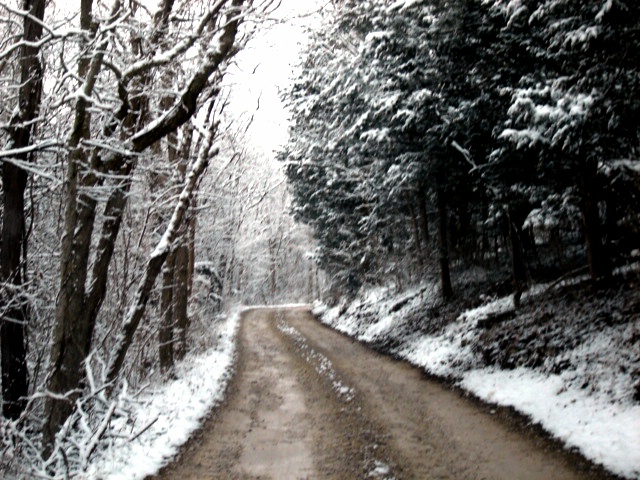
[
  {"x": 98, "y": 435},
  {"x": 149, "y": 425},
  {"x": 565, "y": 276}
]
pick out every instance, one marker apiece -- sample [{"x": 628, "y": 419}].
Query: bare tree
[
  {"x": 104, "y": 146},
  {"x": 14, "y": 316}
]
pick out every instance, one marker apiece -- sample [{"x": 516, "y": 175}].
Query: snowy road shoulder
[
  {"x": 607, "y": 433},
  {"x": 588, "y": 406},
  {"x": 167, "y": 414}
]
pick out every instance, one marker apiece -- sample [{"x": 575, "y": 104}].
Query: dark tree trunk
[
  {"x": 443, "y": 246},
  {"x": 518, "y": 266},
  {"x": 465, "y": 236},
  {"x": 14, "y": 317},
  {"x": 484, "y": 243},
  {"x": 424, "y": 223},
  {"x": 599, "y": 261},
  {"x": 273, "y": 247},
  {"x": 192, "y": 245},
  {"x": 181, "y": 282},
  {"x": 181, "y": 296},
  {"x": 165, "y": 333},
  {"x": 166, "y": 330},
  {"x": 14, "y": 311},
  {"x": 416, "y": 237}
]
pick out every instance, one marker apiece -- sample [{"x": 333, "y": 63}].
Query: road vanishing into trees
[{"x": 309, "y": 403}]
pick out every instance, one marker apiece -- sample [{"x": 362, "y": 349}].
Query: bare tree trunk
[
  {"x": 187, "y": 146},
  {"x": 192, "y": 245},
  {"x": 182, "y": 261},
  {"x": 272, "y": 267},
  {"x": 181, "y": 296},
  {"x": 14, "y": 309},
  {"x": 162, "y": 182},
  {"x": 165, "y": 332},
  {"x": 14, "y": 317},
  {"x": 599, "y": 261},
  {"x": 518, "y": 267},
  {"x": 443, "y": 246},
  {"x": 416, "y": 237},
  {"x": 424, "y": 223}
]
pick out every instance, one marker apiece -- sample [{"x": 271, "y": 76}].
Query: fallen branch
[{"x": 149, "y": 425}]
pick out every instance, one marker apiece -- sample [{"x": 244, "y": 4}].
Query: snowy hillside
[
  {"x": 165, "y": 414},
  {"x": 569, "y": 358}
]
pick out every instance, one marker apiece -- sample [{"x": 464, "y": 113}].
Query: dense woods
[
  {"x": 127, "y": 197},
  {"x": 431, "y": 140},
  {"x": 469, "y": 139}
]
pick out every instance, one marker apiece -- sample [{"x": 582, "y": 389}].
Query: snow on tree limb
[
  {"x": 157, "y": 258},
  {"x": 186, "y": 103},
  {"x": 163, "y": 58}
]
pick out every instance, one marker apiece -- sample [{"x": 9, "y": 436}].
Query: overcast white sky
[{"x": 265, "y": 67}]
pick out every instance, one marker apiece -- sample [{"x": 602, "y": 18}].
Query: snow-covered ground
[
  {"x": 588, "y": 404},
  {"x": 172, "y": 411}
]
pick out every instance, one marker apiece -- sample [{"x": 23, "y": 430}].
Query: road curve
[{"x": 308, "y": 403}]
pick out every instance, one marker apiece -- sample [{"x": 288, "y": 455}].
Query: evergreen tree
[{"x": 578, "y": 108}]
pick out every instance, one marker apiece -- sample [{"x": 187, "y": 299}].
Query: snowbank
[
  {"x": 581, "y": 390},
  {"x": 172, "y": 411}
]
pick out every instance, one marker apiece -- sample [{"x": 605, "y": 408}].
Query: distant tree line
[{"x": 432, "y": 137}]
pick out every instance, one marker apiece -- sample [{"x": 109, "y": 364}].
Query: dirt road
[{"x": 308, "y": 403}]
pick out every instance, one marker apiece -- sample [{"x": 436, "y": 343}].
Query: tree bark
[
  {"x": 192, "y": 245},
  {"x": 165, "y": 333},
  {"x": 416, "y": 237},
  {"x": 163, "y": 182},
  {"x": 181, "y": 296},
  {"x": 113, "y": 213},
  {"x": 14, "y": 309},
  {"x": 518, "y": 267},
  {"x": 443, "y": 246},
  {"x": 14, "y": 318},
  {"x": 424, "y": 223},
  {"x": 181, "y": 282},
  {"x": 599, "y": 261}
]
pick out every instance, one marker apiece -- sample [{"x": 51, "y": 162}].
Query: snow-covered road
[{"x": 307, "y": 402}]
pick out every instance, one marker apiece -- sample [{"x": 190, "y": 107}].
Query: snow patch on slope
[
  {"x": 588, "y": 406},
  {"x": 607, "y": 433},
  {"x": 173, "y": 411}
]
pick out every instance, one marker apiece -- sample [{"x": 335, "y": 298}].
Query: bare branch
[
  {"x": 156, "y": 260},
  {"x": 164, "y": 58},
  {"x": 186, "y": 104}
]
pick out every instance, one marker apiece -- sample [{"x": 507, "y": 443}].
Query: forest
[
  {"x": 486, "y": 145},
  {"x": 436, "y": 139},
  {"x": 470, "y": 172},
  {"x": 132, "y": 211}
]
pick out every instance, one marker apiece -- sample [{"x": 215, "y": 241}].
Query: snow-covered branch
[
  {"x": 157, "y": 258},
  {"x": 164, "y": 58},
  {"x": 186, "y": 104}
]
